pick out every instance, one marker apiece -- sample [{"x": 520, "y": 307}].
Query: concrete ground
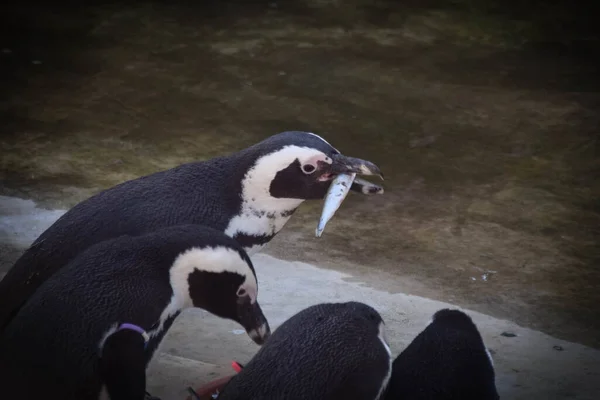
[{"x": 200, "y": 347}]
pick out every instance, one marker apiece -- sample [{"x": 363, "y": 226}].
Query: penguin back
[
  {"x": 447, "y": 360},
  {"x": 326, "y": 351}
]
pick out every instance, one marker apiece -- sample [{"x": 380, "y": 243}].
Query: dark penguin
[
  {"x": 94, "y": 325},
  {"x": 447, "y": 361},
  {"x": 249, "y": 195},
  {"x": 328, "y": 351}
]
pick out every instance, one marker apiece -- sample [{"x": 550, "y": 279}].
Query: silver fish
[{"x": 340, "y": 186}]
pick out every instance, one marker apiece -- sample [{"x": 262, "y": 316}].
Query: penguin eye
[
  {"x": 308, "y": 168},
  {"x": 241, "y": 292}
]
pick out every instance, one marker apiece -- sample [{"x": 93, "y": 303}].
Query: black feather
[
  {"x": 446, "y": 361},
  {"x": 328, "y": 351}
]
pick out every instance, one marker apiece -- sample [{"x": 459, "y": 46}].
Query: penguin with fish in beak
[{"x": 249, "y": 195}]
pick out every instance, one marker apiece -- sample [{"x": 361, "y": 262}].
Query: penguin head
[
  {"x": 298, "y": 165},
  {"x": 221, "y": 280}
]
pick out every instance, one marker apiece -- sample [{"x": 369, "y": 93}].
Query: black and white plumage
[
  {"x": 446, "y": 361},
  {"x": 55, "y": 344},
  {"x": 122, "y": 364},
  {"x": 328, "y": 351},
  {"x": 249, "y": 195}
]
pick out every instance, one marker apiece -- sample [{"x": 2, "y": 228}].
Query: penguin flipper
[{"x": 122, "y": 365}]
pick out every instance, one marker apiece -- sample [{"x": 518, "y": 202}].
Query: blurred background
[{"x": 483, "y": 115}]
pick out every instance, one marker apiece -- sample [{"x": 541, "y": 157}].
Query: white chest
[{"x": 257, "y": 223}]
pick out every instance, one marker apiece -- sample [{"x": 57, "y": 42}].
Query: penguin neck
[
  {"x": 258, "y": 203},
  {"x": 255, "y": 224},
  {"x": 260, "y": 215}
]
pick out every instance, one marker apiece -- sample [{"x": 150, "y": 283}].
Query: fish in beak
[
  {"x": 344, "y": 170},
  {"x": 251, "y": 317}
]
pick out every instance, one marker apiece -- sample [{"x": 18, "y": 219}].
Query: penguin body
[
  {"x": 248, "y": 195},
  {"x": 328, "y": 351},
  {"x": 446, "y": 361},
  {"x": 55, "y": 344}
]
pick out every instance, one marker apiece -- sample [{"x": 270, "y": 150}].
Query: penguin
[
  {"x": 91, "y": 329},
  {"x": 249, "y": 195},
  {"x": 446, "y": 361},
  {"x": 328, "y": 351}
]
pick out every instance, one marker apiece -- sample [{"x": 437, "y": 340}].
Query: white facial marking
[
  {"x": 386, "y": 379},
  {"x": 257, "y": 181},
  {"x": 217, "y": 259},
  {"x": 263, "y": 214}
]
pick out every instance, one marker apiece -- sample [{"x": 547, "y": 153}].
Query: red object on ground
[
  {"x": 205, "y": 392},
  {"x": 236, "y": 366}
]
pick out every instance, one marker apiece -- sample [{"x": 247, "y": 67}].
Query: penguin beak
[
  {"x": 251, "y": 317},
  {"x": 345, "y": 165},
  {"x": 342, "y": 173}
]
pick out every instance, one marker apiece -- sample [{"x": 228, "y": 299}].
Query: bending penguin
[
  {"x": 92, "y": 328},
  {"x": 329, "y": 351},
  {"x": 249, "y": 195},
  {"x": 446, "y": 361}
]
